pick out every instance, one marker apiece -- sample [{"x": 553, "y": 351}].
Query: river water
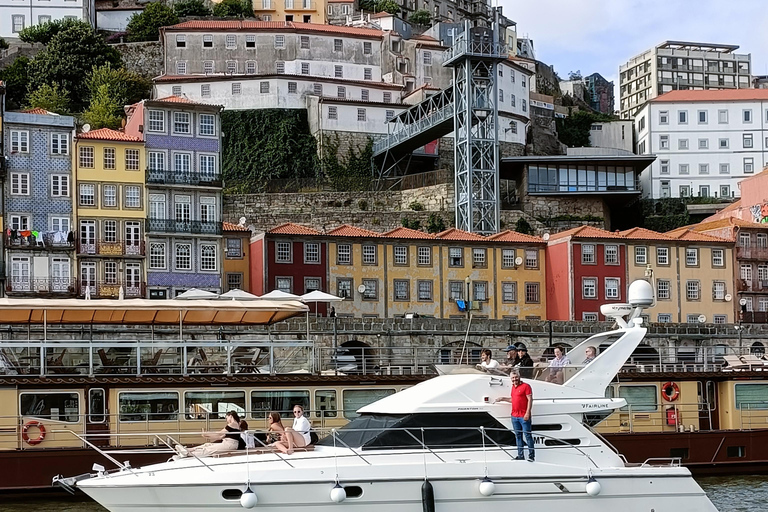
[{"x": 729, "y": 494}]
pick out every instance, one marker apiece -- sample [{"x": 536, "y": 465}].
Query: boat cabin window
[
  {"x": 96, "y": 406},
  {"x": 441, "y": 430},
  {"x": 149, "y": 406},
  {"x": 263, "y": 402},
  {"x": 752, "y": 396},
  {"x": 200, "y": 405},
  {"x": 325, "y": 403},
  {"x": 354, "y": 399},
  {"x": 51, "y": 406},
  {"x": 639, "y": 398}
]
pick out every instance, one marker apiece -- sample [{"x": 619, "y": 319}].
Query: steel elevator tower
[{"x": 474, "y": 57}]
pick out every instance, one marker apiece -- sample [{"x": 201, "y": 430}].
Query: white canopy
[
  {"x": 279, "y": 295},
  {"x": 318, "y": 296},
  {"x": 238, "y": 294},
  {"x": 196, "y": 294}
]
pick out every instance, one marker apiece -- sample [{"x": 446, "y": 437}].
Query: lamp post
[{"x": 468, "y": 301}]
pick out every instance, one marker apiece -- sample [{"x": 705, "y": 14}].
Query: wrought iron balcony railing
[
  {"x": 41, "y": 286},
  {"x": 43, "y": 242},
  {"x": 183, "y": 226},
  {"x": 163, "y": 177},
  {"x": 109, "y": 290},
  {"x": 111, "y": 248}
]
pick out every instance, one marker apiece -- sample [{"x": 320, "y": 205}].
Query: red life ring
[
  {"x": 25, "y": 433},
  {"x": 670, "y": 392}
]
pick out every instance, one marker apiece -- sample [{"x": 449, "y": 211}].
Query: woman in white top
[{"x": 298, "y": 436}]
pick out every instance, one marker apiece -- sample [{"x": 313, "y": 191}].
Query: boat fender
[
  {"x": 486, "y": 487},
  {"x": 248, "y": 499},
  {"x": 593, "y": 487},
  {"x": 670, "y": 392},
  {"x": 428, "y": 497},
  {"x": 338, "y": 493},
  {"x": 25, "y": 433}
]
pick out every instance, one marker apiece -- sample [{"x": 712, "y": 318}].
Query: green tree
[
  {"x": 145, "y": 26},
  {"x": 420, "y": 17},
  {"x": 51, "y": 98},
  {"x": 67, "y": 61},
  {"x": 126, "y": 87},
  {"x": 191, "y": 8},
  {"x": 389, "y": 6},
  {"x": 573, "y": 131},
  {"x": 104, "y": 111},
  {"x": 4, "y": 44},
  {"x": 44, "y": 32},
  {"x": 233, "y": 8},
  {"x": 524, "y": 227},
  {"x": 435, "y": 223},
  {"x": 16, "y": 78}
]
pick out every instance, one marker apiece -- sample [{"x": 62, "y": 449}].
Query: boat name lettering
[
  {"x": 469, "y": 408},
  {"x": 592, "y": 406}
]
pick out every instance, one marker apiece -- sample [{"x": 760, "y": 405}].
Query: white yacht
[{"x": 442, "y": 445}]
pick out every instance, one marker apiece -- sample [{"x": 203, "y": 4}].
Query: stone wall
[
  {"x": 434, "y": 198},
  {"x": 346, "y": 141},
  {"x": 144, "y": 58}
]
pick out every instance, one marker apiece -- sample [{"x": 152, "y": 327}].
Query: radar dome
[{"x": 640, "y": 293}]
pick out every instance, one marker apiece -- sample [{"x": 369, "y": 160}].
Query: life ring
[
  {"x": 25, "y": 433},
  {"x": 670, "y": 392}
]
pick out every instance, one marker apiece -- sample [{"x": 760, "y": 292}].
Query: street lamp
[{"x": 468, "y": 281}]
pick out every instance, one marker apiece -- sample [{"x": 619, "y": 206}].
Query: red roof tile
[
  {"x": 644, "y": 234},
  {"x": 38, "y": 110},
  {"x": 283, "y": 26},
  {"x": 180, "y": 99},
  {"x": 289, "y": 228},
  {"x": 726, "y": 222},
  {"x": 713, "y": 95},
  {"x": 228, "y": 226},
  {"x": 108, "y": 134},
  {"x": 687, "y": 235},
  {"x": 585, "y": 232},
  {"x": 409, "y": 233},
  {"x": 458, "y": 234},
  {"x": 347, "y": 230},
  {"x": 515, "y": 237}
]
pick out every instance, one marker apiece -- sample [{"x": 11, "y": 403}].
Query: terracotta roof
[
  {"x": 585, "y": 232},
  {"x": 283, "y": 26},
  {"x": 347, "y": 230},
  {"x": 289, "y": 228},
  {"x": 515, "y": 237},
  {"x": 39, "y": 111},
  {"x": 403, "y": 232},
  {"x": 726, "y": 222},
  {"x": 228, "y": 226},
  {"x": 713, "y": 95},
  {"x": 108, "y": 134},
  {"x": 458, "y": 234},
  {"x": 644, "y": 234},
  {"x": 180, "y": 99},
  {"x": 686, "y": 234}
]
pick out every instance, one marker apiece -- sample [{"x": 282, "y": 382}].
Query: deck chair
[
  {"x": 735, "y": 362},
  {"x": 9, "y": 365},
  {"x": 752, "y": 360},
  {"x": 57, "y": 365},
  {"x": 107, "y": 364},
  {"x": 150, "y": 365},
  {"x": 251, "y": 364}
]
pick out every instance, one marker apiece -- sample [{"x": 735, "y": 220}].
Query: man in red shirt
[{"x": 522, "y": 402}]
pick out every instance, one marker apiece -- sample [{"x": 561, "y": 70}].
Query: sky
[{"x": 599, "y": 35}]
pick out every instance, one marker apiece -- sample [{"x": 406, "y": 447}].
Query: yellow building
[
  {"x": 300, "y": 11},
  {"x": 110, "y": 177},
  {"x": 692, "y": 273},
  {"x": 237, "y": 256}
]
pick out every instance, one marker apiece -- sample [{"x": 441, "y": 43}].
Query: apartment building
[
  {"x": 38, "y": 233},
  {"x": 680, "y": 65},
  {"x": 182, "y": 140},
  {"x": 705, "y": 142},
  {"x": 237, "y": 254},
  {"x": 111, "y": 211},
  {"x": 304, "y": 11},
  {"x": 15, "y": 17}
]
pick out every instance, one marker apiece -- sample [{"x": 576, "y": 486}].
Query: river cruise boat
[{"x": 444, "y": 444}]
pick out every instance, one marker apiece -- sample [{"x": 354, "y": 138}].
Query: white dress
[{"x": 302, "y": 426}]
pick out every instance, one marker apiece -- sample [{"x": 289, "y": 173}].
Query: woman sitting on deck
[
  {"x": 224, "y": 440},
  {"x": 296, "y": 437}
]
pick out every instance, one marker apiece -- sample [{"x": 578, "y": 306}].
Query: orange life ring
[
  {"x": 670, "y": 392},
  {"x": 25, "y": 432}
]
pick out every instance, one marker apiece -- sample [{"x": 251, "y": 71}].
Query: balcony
[
  {"x": 752, "y": 253},
  {"x": 754, "y": 285},
  {"x": 105, "y": 290},
  {"x": 58, "y": 241},
  {"x": 160, "y": 177},
  {"x": 41, "y": 286},
  {"x": 196, "y": 227},
  {"x": 110, "y": 248}
]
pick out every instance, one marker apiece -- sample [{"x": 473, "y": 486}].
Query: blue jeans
[{"x": 523, "y": 428}]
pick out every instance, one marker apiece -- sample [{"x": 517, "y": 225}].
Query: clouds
[{"x": 599, "y": 35}]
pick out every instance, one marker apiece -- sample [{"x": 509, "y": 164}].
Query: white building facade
[
  {"x": 16, "y": 16},
  {"x": 705, "y": 142}
]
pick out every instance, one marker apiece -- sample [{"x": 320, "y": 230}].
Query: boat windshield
[{"x": 441, "y": 430}]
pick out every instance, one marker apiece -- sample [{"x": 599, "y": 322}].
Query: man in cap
[
  {"x": 525, "y": 362},
  {"x": 511, "y": 361}
]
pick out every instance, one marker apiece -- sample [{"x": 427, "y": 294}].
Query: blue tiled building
[
  {"x": 38, "y": 238},
  {"x": 184, "y": 193}
]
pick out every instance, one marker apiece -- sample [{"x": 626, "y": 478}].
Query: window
[
  {"x": 304, "y": 42},
  {"x": 284, "y": 284},
  {"x": 524, "y": 105},
  {"x": 283, "y": 252},
  {"x": 508, "y": 258},
  {"x": 425, "y": 290},
  {"x": 663, "y": 141},
  {"x": 19, "y": 222},
  {"x": 725, "y": 169},
  {"x": 231, "y": 41},
  {"x": 371, "y": 289},
  {"x": 231, "y": 67},
  {"x": 157, "y": 255},
  {"x": 509, "y": 292},
  {"x": 589, "y": 317},
  {"x": 722, "y": 116},
  {"x": 745, "y": 272},
  {"x": 181, "y": 41},
  {"x": 662, "y": 256},
  {"x": 156, "y": 121},
  {"x": 109, "y": 158},
  {"x": 364, "y": 94},
  {"x": 456, "y": 290},
  {"x": 148, "y": 406},
  {"x": 532, "y": 293},
  {"x": 305, "y": 68},
  {"x": 425, "y": 256},
  {"x": 132, "y": 196},
  {"x": 338, "y": 45},
  {"x": 663, "y": 289},
  {"x": 317, "y": 89},
  {"x": 744, "y": 239},
  {"x": 703, "y": 143},
  {"x": 641, "y": 255},
  {"x": 747, "y": 140},
  {"x": 683, "y": 169},
  {"x": 132, "y": 159},
  {"x": 747, "y": 115},
  {"x": 749, "y": 165},
  {"x": 208, "y": 257},
  {"x": 401, "y": 255},
  {"x": 18, "y": 23},
  {"x": 87, "y": 194},
  {"x": 692, "y": 290},
  {"x": 250, "y": 40},
  {"x": 237, "y": 88},
  {"x": 718, "y": 290},
  {"x": 311, "y": 252},
  {"x": 589, "y": 288},
  {"x": 59, "y": 144},
  {"x": 612, "y": 254},
  {"x": 279, "y": 41},
  {"x": 702, "y": 116},
  {"x": 664, "y": 117},
  {"x": 640, "y": 398},
  {"x": 361, "y": 114},
  {"x": 250, "y": 66},
  {"x": 611, "y": 288},
  {"x": 664, "y": 166},
  {"x": 389, "y": 115},
  {"x": 367, "y": 48},
  {"x": 292, "y": 89},
  {"x": 685, "y": 191},
  {"x": 479, "y": 290},
  {"x": 344, "y": 254},
  {"x": 587, "y": 253},
  {"x": 344, "y": 288},
  {"x": 691, "y": 257},
  {"x": 110, "y": 195},
  {"x": 718, "y": 258},
  {"x": 682, "y": 144},
  {"x": 110, "y": 270},
  {"x": 369, "y": 255},
  {"x": 86, "y": 157},
  {"x": 333, "y": 113},
  {"x": 762, "y": 240},
  {"x": 478, "y": 258},
  {"x": 703, "y": 168},
  {"x": 183, "y": 256},
  {"x": 182, "y": 163},
  {"x": 263, "y": 87},
  {"x": 341, "y": 91},
  {"x": 664, "y": 318},
  {"x": 205, "y": 90},
  {"x": 280, "y": 67},
  {"x": 367, "y": 74},
  {"x": 54, "y": 406},
  {"x": 723, "y": 143},
  {"x": 531, "y": 258},
  {"x": 387, "y": 97},
  {"x": 682, "y": 117},
  {"x": 207, "y": 41},
  {"x": 59, "y": 185},
  {"x": 402, "y": 289},
  {"x": 181, "y": 122},
  {"x": 19, "y": 184},
  {"x": 181, "y": 67}
]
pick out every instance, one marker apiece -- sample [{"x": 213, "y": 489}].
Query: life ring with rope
[
  {"x": 25, "y": 433},
  {"x": 670, "y": 392}
]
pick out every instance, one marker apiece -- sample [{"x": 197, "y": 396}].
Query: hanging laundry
[{"x": 71, "y": 237}]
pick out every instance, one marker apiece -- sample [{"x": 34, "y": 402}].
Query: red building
[
  {"x": 586, "y": 267},
  {"x": 289, "y": 258}
]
